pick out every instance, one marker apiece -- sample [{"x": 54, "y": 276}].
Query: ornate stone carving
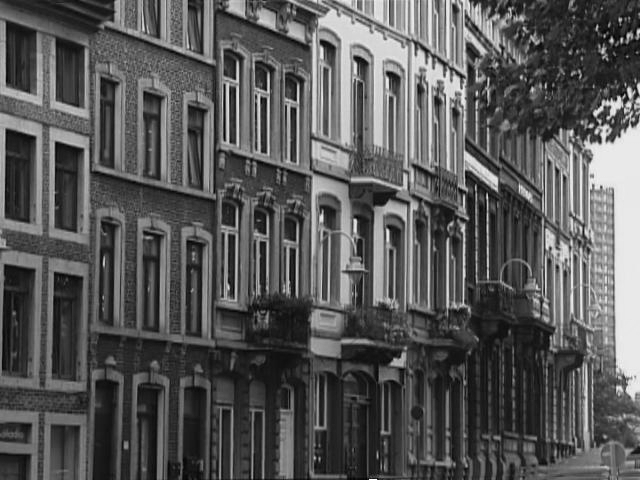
[
  {"x": 284, "y": 17},
  {"x": 310, "y": 29},
  {"x": 266, "y": 198},
  {"x": 233, "y": 190},
  {"x": 253, "y": 8}
]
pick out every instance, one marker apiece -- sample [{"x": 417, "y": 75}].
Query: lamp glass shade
[{"x": 355, "y": 269}]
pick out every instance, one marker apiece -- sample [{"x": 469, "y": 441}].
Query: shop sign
[{"x": 15, "y": 432}]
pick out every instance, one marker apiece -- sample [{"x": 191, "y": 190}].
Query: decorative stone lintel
[{"x": 284, "y": 17}]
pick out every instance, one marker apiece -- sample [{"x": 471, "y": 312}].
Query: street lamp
[
  {"x": 530, "y": 286},
  {"x": 355, "y": 267},
  {"x": 595, "y": 308}
]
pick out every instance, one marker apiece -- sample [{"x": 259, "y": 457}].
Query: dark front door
[{"x": 355, "y": 436}]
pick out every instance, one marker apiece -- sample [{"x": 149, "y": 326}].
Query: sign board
[
  {"x": 613, "y": 455},
  {"x": 15, "y": 432}
]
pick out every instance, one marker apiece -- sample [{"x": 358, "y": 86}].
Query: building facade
[
  {"x": 278, "y": 239},
  {"x": 603, "y": 275}
]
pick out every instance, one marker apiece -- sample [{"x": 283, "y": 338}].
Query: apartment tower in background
[{"x": 603, "y": 273}]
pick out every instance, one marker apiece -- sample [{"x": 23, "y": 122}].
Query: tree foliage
[
  {"x": 579, "y": 68},
  {"x": 616, "y": 416}
]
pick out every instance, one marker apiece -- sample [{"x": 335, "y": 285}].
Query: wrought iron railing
[
  {"x": 445, "y": 185},
  {"x": 377, "y": 162},
  {"x": 494, "y": 297},
  {"x": 377, "y": 323},
  {"x": 278, "y": 318}
]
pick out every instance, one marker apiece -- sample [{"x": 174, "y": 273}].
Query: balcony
[
  {"x": 279, "y": 322},
  {"x": 533, "y": 323},
  {"x": 377, "y": 334},
  {"x": 88, "y": 12},
  {"x": 377, "y": 172},
  {"x": 450, "y": 337},
  {"x": 444, "y": 186},
  {"x": 574, "y": 349}
]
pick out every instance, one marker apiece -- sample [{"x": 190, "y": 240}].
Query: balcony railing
[
  {"x": 445, "y": 185},
  {"x": 378, "y": 324},
  {"x": 88, "y": 11},
  {"x": 530, "y": 306},
  {"x": 279, "y": 319},
  {"x": 453, "y": 324},
  {"x": 377, "y": 162},
  {"x": 576, "y": 338},
  {"x": 494, "y": 297}
]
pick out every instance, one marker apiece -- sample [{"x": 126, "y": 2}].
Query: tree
[
  {"x": 578, "y": 67},
  {"x": 616, "y": 416}
]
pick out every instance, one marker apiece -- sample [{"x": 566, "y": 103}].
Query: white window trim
[
  {"x": 200, "y": 101},
  {"x": 162, "y": 229},
  {"x": 163, "y": 24},
  {"x": 155, "y": 87},
  {"x": 219, "y": 408},
  {"x": 81, "y": 142},
  {"x": 111, "y": 72},
  {"x": 15, "y": 448},
  {"x": 207, "y": 23},
  {"x": 65, "y": 419},
  {"x": 201, "y": 236},
  {"x": 224, "y": 230},
  {"x": 288, "y": 106},
  {"x": 253, "y": 411},
  {"x": 34, "y": 129},
  {"x": 163, "y": 421},
  {"x": 258, "y": 95},
  {"x": 203, "y": 383},
  {"x": 224, "y": 93},
  {"x": 117, "y": 218},
  {"x": 5, "y": 89},
  {"x": 81, "y": 270},
  {"x": 82, "y": 111},
  {"x": 118, "y": 379},
  {"x": 15, "y": 258}
]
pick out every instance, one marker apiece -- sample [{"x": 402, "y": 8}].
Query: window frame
[
  {"x": 291, "y": 105},
  {"x": 162, "y": 230},
  {"x": 203, "y": 103},
  {"x": 253, "y": 411},
  {"x": 80, "y": 270},
  {"x": 227, "y": 83},
  {"x": 333, "y": 275},
  {"x": 225, "y": 232},
  {"x": 163, "y": 20},
  {"x": 27, "y": 449},
  {"x": 37, "y": 75},
  {"x": 199, "y": 235},
  {"x": 331, "y": 40},
  {"x": 438, "y": 138},
  {"x": 222, "y": 407},
  {"x": 82, "y": 143},
  {"x": 421, "y": 262},
  {"x": 207, "y": 22},
  {"x": 456, "y": 156},
  {"x": 196, "y": 381},
  {"x": 268, "y": 240},
  {"x": 392, "y": 262},
  {"x": 78, "y": 421},
  {"x": 421, "y": 123},
  {"x": 109, "y": 71},
  {"x": 81, "y": 110},
  {"x": 154, "y": 87},
  {"x": 259, "y": 95},
  {"x": 456, "y": 34},
  {"x": 289, "y": 246}
]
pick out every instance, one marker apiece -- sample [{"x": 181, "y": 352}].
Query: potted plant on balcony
[{"x": 281, "y": 317}]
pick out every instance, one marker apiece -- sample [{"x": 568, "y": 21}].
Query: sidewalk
[{"x": 590, "y": 458}]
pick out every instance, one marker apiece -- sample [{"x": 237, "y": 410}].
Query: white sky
[{"x": 617, "y": 165}]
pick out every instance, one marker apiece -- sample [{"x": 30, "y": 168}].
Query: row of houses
[{"x": 277, "y": 239}]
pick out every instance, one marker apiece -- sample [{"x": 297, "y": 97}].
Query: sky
[{"x": 617, "y": 165}]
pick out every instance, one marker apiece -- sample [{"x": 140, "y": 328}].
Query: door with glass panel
[
  {"x": 356, "y": 425},
  {"x": 287, "y": 431}
]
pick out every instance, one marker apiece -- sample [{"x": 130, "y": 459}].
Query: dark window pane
[
  {"x": 107, "y": 269},
  {"x": 69, "y": 73},
  {"x": 66, "y": 313},
  {"x": 151, "y": 17},
  {"x": 147, "y": 429},
  {"x": 152, "y": 150},
  {"x": 195, "y": 148},
  {"x": 107, "y": 122},
  {"x": 151, "y": 281},
  {"x": 193, "y": 428},
  {"x": 21, "y": 58},
  {"x": 194, "y": 32},
  {"x": 16, "y": 321},
  {"x": 193, "y": 308},
  {"x": 18, "y": 163},
  {"x": 106, "y": 398},
  {"x": 66, "y": 184}
]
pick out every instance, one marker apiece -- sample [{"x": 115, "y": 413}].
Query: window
[
  {"x": 70, "y": 75},
  {"x": 454, "y": 270},
  {"x": 261, "y": 249},
  {"x": 151, "y": 245},
  {"x": 21, "y": 58},
  {"x": 151, "y": 116},
  {"x": 257, "y": 443},
  {"x": 66, "y": 187},
  {"x": 359, "y": 100},
  {"x": 15, "y": 466},
  {"x": 225, "y": 442},
  {"x": 471, "y": 96},
  {"x": 364, "y": 6},
  {"x": 386, "y": 423},
  {"x": 229, "y": 256},
  {"x": 421, "y": 125},
  {"x": 320, "y": 427},
  {"x": 438, "y": 131},
  {"x": 456, "y": 38},
  {"x": 326, "y": 87},
  {"x": 438, "y": 29},
  {"x": 360, "y": 236},
  {"x": 107, "y": 122},
  {"x": 549, "y": 190},
  {"x": 17, "y": 321},
  {"x": 193, "y": 429},
  {"x": 105, "y": 442},
  {"x": 147, "y": 411},
  {"x": 151, "y": 17},
  {"x": 392, "y": 265},
  {"x": 292, "y": 119},
  {"x": 291, "y": 245},
  {"x": 419, "y": 400},
  {"x": 394, "y": 12},
  {"x": 195, "y": 148},
  {"x": 193, "y": 307},
  {"x": 66, "y": 323},
  {"x": 392, "y": 100},
  {"x": 195, "y": 9},
  {"x": 455, "y": 153},
  {"x": 420, "y": 263},
  {"x": 327, "y": 223},
  {"x": 107, "y": 267},
  {"x": 18, "y": 176},
  {"x": 421, "y": 19},
  {"x": 64, "y": 461},
  {"x": 230, "y": 99},
  {"x": 557, "y": 211},
  {"x": 262, "y": 109}
]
